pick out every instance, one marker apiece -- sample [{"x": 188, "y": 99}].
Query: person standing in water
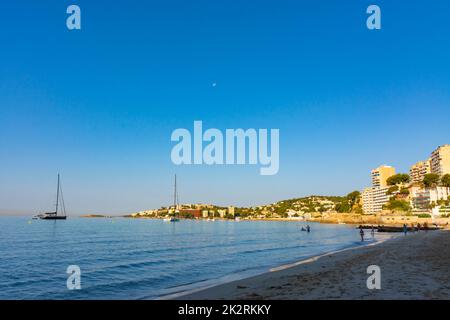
[
  {"x": 405, "y": 229},
  {"x": 373, "y": 232},
  {"x": 361, "y": 233},
  {"x": 308, "y": 229}
]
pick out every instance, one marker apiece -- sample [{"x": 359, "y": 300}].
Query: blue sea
[{"x": 123, "y": 258}]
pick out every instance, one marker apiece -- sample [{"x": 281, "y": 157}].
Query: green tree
[
  {"x": 445, "y": 180},
  {"x": 398, "y": 179},
  {"x": 431, "y": 180},
  {"x": 404, "y": 191},
  {"x": 354, "y": 196},
  {"x": 400, "y": 205},
  {"x": 391, "y": 190},
  {"x": 343, "y": 207}
]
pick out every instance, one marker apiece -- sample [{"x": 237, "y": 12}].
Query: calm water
[{"x": 146, "y": 259}]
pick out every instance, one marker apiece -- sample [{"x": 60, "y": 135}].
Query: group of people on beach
[
  {"x": 414, "y": 228},
  {"x": 404, "y": 229},
  {"x": 361, "y": 232}
]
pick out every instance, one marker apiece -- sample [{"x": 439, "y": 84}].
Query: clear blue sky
[{"x": 99, "y": 105}]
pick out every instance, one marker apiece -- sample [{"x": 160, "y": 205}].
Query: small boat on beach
[{"x": 409, "y": 229}]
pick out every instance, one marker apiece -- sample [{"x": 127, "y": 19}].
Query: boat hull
[{"x": 54, "y": 218}]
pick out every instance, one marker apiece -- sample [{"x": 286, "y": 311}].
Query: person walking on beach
[
  {"x": 361, "y": 233},
  {"x": 405, "y": 229}
]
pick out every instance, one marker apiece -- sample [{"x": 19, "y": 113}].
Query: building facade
[
  {"x": 418, "y": 171},
  {"x": 440, "y": 160},
  {"x": 380, "y": 175},
  {"x": 367, "y": 201},
  {"x": 424, "y": 199},
  {"x": 375, "y": 197}
]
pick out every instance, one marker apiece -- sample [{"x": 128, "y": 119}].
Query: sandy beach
[{"x": 415, "y": 266}]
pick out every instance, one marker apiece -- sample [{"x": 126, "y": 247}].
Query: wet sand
[{"x": 415, "y": 266}]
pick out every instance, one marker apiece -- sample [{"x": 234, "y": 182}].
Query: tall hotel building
[
  {"x": 375, "y": 197},
  {"x": 418, "y": 171},
  {"x": 380, "y": 176},
  {"x": 440, "y": 160}
]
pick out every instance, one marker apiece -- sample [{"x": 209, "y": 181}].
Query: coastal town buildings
[
  {"x": 409, "y": 195},
  {"x": 440, "y": 160},
  {"x": 222, "y": 212},
  {"x": 426, "y": 199},
  {"x": 196, "y": 213},
  {"x": 418, "y": 171},
  {"x": 421, "y": 199}
]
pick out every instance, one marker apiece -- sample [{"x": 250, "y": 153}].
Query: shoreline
[
  {"x": 309, "y": 259},
  {"x": 412, "y": 267},
  {"x": 353, "y": 220}
]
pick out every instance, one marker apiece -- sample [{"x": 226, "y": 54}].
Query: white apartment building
[
  {"x": 423, "y": 198},
  {"x": 374, "y": 199},
  {"x": 367, "y": 201},
  {"x": 222, "y": 212}
]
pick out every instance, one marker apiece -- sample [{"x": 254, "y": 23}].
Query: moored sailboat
[
  {"x": 59, "y": 207},
  {"x": 175, "y": 205}
]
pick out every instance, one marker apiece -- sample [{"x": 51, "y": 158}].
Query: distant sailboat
[
  {"x": 54, "y": 215},
  {"x": 175, "y": 203}
]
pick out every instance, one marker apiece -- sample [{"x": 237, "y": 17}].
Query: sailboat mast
[
  {"x": 57, "y": 196},
  {"x": 175, "y": 194}
]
